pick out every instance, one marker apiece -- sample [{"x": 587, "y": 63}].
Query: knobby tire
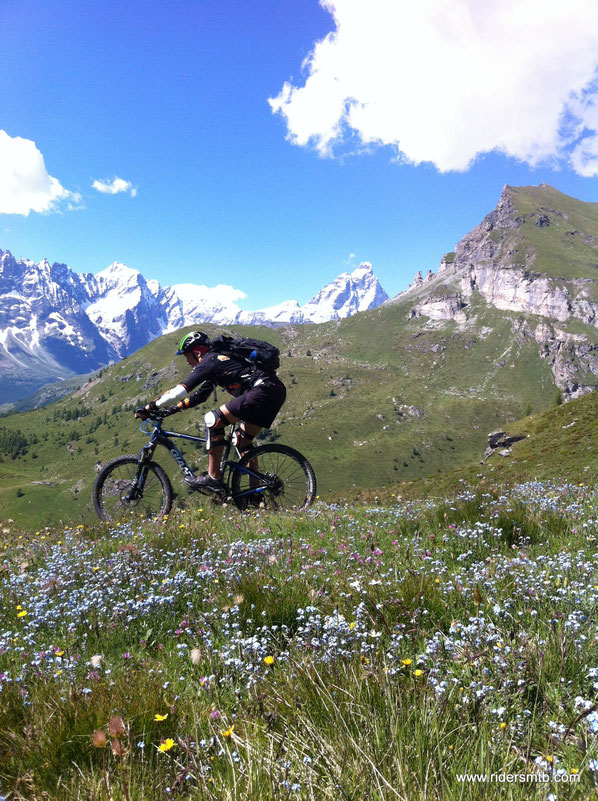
[
  {"x": 115, "y": 481},
  {"x": 288, "y": 470}
]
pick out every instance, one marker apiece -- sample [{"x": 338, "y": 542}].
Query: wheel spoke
[
  {"x": 286, "y": 475},
  {"x": 114, "y": 488}
]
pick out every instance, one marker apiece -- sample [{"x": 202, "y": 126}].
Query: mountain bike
[{"x": 269, "y": 476}]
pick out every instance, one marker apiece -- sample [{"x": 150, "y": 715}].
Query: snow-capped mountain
[
  {"x": 346, "y": 295},
  {"x": 55, "y": 322},
  {"x": 125, "y": 308}
]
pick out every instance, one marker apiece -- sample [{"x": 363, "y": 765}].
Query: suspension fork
[{"x": 143, "y": 459}]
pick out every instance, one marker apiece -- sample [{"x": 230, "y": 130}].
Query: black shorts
[{"x": 260, "y": 404}]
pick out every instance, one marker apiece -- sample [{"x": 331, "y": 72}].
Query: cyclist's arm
[
  {"x": 202, "y": 394},
  {"x": 172, "y": 395},
  {"x": 200, "y": 375}
]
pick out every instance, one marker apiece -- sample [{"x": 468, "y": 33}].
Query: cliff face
[
  {"x": 497, "y": 260},
  {"x": 535, "y": 256}
]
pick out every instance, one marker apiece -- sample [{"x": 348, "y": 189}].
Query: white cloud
[
  {"x": 443, "y": 81},
  {"x": 24, "y": 181},
  {"x": 200, "y": 295},
  {"x": 114, "y": 187}
]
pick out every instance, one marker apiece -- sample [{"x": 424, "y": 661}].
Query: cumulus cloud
[
  {"x": 443, "y": 81},
  {"x": 198, "y": 295},
  {"x": 114, "y": 187},
  {"x": 25, "y": 184}
]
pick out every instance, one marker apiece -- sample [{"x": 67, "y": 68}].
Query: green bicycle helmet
[{"x": 195, "y": 339}]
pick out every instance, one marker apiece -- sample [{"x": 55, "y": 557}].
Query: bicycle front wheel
[
  {"x": 274, "y": 477},
  {"x": 125, "y": 490}
]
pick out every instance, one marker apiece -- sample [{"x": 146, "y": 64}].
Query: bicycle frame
[{"x": 160, "y": 437}]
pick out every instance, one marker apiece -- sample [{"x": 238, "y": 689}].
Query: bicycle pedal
[{"x": 218, "y": 497}]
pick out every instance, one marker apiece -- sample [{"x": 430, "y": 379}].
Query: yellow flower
[
  {"x": 160, "y": 717},
  {"x": 269, "y": 660},
  {"x": 166, "y": 745},
  {"x": 418, "y": 672},
  {"x": 503, "y": 725},
  {"x": 23, "y": 613},
  {"x": 406, "y": 662},
  {"x": 59, "y": 653},
  {"x": 352, "y": 626},
  {"x": 229, "y": 732}
]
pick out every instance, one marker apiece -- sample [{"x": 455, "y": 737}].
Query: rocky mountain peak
[
  {"x": 526, "y": 258},
  {"x": 82, "y": 321},
  {"x": 364, "y": 271},
  {"x": 346, "y": 295},
  {"x": 118, "y": 276}
]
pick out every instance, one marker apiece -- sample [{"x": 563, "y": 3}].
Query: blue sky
[{"x": 231, "y": 142}]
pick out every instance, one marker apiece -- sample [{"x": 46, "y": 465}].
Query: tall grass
[{"x": 350, "y": 653}]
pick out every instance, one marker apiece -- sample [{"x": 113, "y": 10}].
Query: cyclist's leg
[
  {"x": 247, "y": 434},
  {"x": 245, "y": 437},
  {"x": 222, "y": 417}
]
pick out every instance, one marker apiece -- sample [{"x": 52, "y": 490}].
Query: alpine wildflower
[{"x": 166, "y": 745}]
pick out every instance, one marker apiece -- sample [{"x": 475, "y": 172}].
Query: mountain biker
[{"x": 258, "y": 397}]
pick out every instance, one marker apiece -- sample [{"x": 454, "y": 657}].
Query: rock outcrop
[
  {"x": 500, "y": 442},
  {"x": 441, "y": 307},
  {"x": 501, "y": 263}
]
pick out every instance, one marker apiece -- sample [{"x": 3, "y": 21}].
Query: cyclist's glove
[
  {"x": 149, "y": 410},
  {"x": 170, "y": 410}
]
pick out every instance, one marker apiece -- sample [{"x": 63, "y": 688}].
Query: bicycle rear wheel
[
  {"x": 124, "y": 490},
  {"x": 284, "y": 479}
]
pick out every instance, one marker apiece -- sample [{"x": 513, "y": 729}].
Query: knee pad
[{"x": 214, "y": 422}]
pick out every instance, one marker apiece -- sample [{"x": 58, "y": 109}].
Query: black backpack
[{"x": 256, "y": 352}]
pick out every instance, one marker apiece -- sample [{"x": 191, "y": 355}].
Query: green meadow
[{"x": 361, "y": 651}]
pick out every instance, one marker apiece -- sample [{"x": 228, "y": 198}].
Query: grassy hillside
[
  {"x": 373, "y": 400},
  {"x": 559, "y": 444},
  {"x": 568, "y": 246},
  {"x": 380, "y": 398}
]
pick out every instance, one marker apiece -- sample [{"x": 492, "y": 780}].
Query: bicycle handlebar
[{"x": 148, "y": 426}]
